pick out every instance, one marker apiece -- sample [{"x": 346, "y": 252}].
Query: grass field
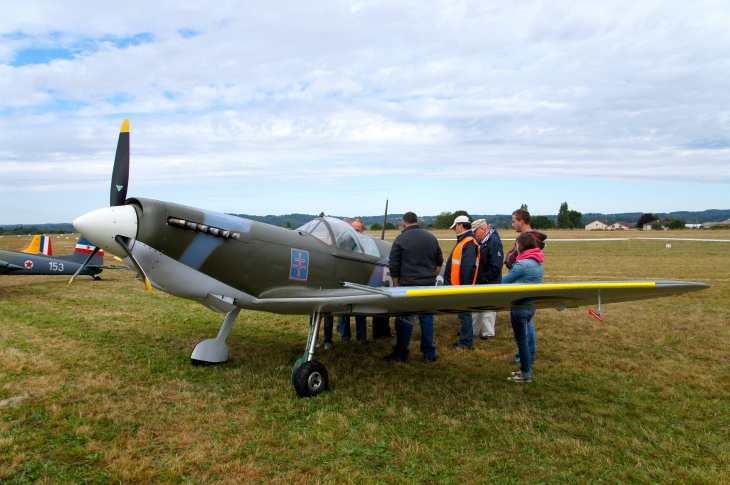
[{"x": 96, "y": 386}]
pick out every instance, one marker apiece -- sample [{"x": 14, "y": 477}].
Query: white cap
[
  {"x": 459, "y": 220},
  {"x": 478, "y": 223}
]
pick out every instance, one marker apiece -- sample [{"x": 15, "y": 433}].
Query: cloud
[{"x": 623, "y": 91}]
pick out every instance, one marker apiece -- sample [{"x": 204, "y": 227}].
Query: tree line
[
  {"x": 25, "y": 230},
  {"x": 567, "y": 219}
]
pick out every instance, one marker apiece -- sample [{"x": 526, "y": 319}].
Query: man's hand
[{"x": 395, "y": 282}]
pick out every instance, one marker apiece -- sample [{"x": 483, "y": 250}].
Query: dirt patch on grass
[{"x": 8, "y": 293}]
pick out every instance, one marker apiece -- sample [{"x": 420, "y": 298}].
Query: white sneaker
[{"x": 327, "y": 346}]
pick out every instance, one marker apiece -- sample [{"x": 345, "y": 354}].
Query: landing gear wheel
[{"x": 311, "y": 379}]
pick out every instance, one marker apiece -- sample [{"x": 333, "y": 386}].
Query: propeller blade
[
  {"x": 385, "y": 219},
  {"x": 120, "y": 175},
  {"x": 124, "y": 243},
  {"x": 78, "y": 271}
]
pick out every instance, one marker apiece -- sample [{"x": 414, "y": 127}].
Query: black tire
[{"x": 311, "y": 379}]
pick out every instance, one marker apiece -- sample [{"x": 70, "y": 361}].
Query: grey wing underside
[
  {"x": 113, "y": 266},
  {"x": 356, "y": 299}
]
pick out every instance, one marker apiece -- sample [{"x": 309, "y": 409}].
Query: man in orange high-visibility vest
[{"x": 461, "y": 269}]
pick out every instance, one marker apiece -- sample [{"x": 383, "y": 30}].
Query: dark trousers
[
  {"x": 403, "y": 331},
  {"x": 519, "y": 320},
  {"x": 360, "y": 327},
  {"x": 466, "y": 333},
  {"x": 328, "y": 320},
  {"x": 381, "y": 327}
]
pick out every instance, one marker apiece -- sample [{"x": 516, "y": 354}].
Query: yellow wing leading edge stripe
[{"x": 465, "y": 290}]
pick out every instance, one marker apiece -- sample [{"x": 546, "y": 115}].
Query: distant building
[
  {"x": 621, "y": 226},
  {"x": 647, "y": 226},
  {"x": 693, "y": 226},
  {"x": 708, "y": 225},
  {"x": 597, "y": 225}
]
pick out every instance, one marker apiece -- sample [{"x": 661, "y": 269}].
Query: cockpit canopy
[{"x": 328, "y": 229}]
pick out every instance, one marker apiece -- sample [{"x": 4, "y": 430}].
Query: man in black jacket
[
  {"x": 415, "y": 260},
  {"x": 489, "y": 272},
  {"x": 461, "y": 269}
]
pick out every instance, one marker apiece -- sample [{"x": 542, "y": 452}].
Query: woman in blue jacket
[{"x": 528, "y": 269}]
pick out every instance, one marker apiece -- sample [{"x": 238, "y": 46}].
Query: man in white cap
[
  {"x": 461, "y": 269},
  {"x": 491, "y": 257}
]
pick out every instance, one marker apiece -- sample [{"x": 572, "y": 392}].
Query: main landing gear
[
  {"x": 214, "y": 350},
  {"x": 309, "y": 377}
]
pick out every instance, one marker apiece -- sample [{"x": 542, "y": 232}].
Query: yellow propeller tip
[
  {"x": 125, "y": 126},
  {"x": 148, "y": 285}
]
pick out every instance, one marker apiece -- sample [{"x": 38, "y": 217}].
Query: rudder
[
  {"x": 39, "y": 245},
  {"x": 82, "y": 251}
]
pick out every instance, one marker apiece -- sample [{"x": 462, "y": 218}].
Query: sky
[{"x": 335, "y": 106}]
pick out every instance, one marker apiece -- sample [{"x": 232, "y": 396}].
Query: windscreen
[
  {"x": 345, "y": 235},
  {"x": 368, "y": 244},
  {"x": 318, "y": 229}
]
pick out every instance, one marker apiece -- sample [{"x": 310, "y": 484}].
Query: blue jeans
[
  {"x": 328, "y": 320},
  {"x": 520, "y": 320},
  {"x": 360, "y": 327},
  {"x": 531, "y": 339},
  {"x": 403, "y": 333},
  {"x": 466, "y": 334}
]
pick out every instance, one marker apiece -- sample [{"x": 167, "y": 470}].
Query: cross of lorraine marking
[{"x": 299, "y": 266}]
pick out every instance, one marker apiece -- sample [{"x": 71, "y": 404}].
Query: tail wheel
[{"x": 311, "y": 379}]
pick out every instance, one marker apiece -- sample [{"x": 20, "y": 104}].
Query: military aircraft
[
  {"x": 38, "y": 259},
  {"x": 229, "y": 263}
]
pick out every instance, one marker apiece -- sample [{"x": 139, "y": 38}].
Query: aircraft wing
[
  {"x": 106, "y": 266},
  {"x": 365, "y": 300},
  {"x": 6, "y": 267}
]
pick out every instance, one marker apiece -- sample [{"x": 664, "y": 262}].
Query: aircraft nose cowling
[{"x": 103, "y": 225}]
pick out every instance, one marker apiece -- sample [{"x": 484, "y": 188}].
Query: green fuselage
[{"x": 255, "y": 258}]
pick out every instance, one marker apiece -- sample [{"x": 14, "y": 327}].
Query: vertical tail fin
[
  {"x": 39, "y": 245},
  {"x": 82, "y": 251}
]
